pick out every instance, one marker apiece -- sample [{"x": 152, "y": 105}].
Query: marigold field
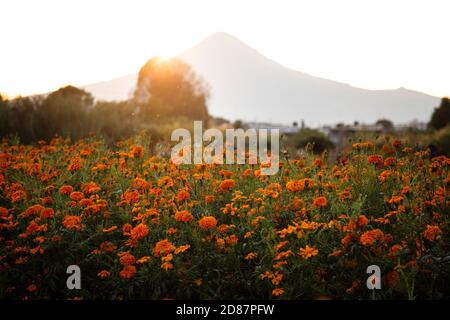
[{"x": 140, "y": 227}]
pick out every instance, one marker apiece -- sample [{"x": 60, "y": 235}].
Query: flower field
[{"x": 140, "y": 227}]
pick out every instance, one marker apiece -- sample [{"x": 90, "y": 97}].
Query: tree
[
  {"x": 441, "y": 115},
  {"x": 169, "y": 88},
  {"x": 4, "y": 116},
  {"x": 21, "y": 118},
  {"x": 387, "y": 125},
  {"x": 65, "y": 112}
]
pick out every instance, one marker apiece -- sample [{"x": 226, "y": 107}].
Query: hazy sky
[{"x": 377, "y": 44}]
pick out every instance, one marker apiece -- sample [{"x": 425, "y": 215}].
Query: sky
[{"x": 377, "y": 44}]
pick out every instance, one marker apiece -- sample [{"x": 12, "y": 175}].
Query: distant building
[{"x": 339, "y": 133}]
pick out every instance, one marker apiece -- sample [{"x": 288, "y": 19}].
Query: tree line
[{"x": 165, "y": 89}]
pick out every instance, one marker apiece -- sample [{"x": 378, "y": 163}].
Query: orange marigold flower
[
  {"x": 299, "y": 185},
  {"x": 183, "y": 216},
  {"x": 172, "y": 230},
  {"x": 139, "y": 232},
  {"x": 335, "y": 253},
  {"x": 362, "y": 221},
  {"x": 277, "y": 292},
  {"x": 182, "y": 249},
  {"x": 396, "y": 199},
  {"x": 431, "y": 233},
  {"x": 90, "y": 188},
  {"x": 128, "y": 272},
  {"x": 166, "y": 265},
  {"x": 368, "y": 238},
  {"x": 104, "y": 274},
  {"x": 163, "y": 247},
  {"x": 137, "y": 151},
  {"x": 110, "y": 229},
  {"x": 207, "y": 222},
  {"x": 107, "y": 246},
  {"x": 76, "y": 195},
  {"x": 320, "y": 202},
  {"x": 75, "y": 165},
  {"x": 250, "y": 256},
  {"x": 72, "y": 222},
  {"x": 182, "y": 195},
  {"x": 66, "y": 190},
  {"x": 345, "y": 195},
  {"x": 143, "y": 260},
  {"x": 32, "y": 288},
  {"x": 308, "y": 252},
  {"x": 126, "y": 258},
  {"x": 226, "y": 185},
  {"x": 209, "y": 199},
  {"x": 47, "y": 213},
  {"x": 375, "y": 159}
]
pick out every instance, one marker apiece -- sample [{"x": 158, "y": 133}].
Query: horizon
[{"x": 367, "y": 54}]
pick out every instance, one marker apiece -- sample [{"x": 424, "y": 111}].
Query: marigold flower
[
  {"x": 300, "y": 185},
  {"x": 137, "y": 151},
  {"x": 226, "y": 185},
  {"x": 320, "y": 202},
  {"x": 107, "y": 246},
  {"x": 182, "y": 249},
  {"x": 182, "y": 195},
  {"x": 72, "y": 222},
  {"x": 111, "y": 229},
  {"x": 143, "y": 260},
  {"x": 362, "y": 221},
  {"x": 32, "y": 288},
  {"x": 277, "y": 292},
  {"x": 172, "y": 230},
  {"x": 375, "y": 159},
  {"x": 396, "y": 199},
  {"x": 183, "y": 216},
  {"x": 431, "y": 233},
  {"x": 66, "y": 190},
  {"x": 126, "y": 258},
  {"x": 308, "y": 252},
  {"x": 368, "y": 238},
  {"x": 47, "y": 213},
  {"x": 90, "y": 188},
  {"x": 167, "y": 266},
  {"x": 250, "y": 256},
  {"x": 76, "y": 195},
  {"x": 104, "y": 274},
  {"x": 163, "y": 247},
  {"x": 207, "y": 222},
  {"x": 128, "y": 272},
  {"x": 139, "y": 232}
]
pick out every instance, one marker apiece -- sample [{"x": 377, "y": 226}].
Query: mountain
[{"x": 246, "y": 85}]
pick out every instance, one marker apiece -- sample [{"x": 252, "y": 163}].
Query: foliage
[
  {"x": 141, "y": 227},
  {"x": 169, "y": 88},
  {"x": 172, "y": 91},
  {"x": 314, "y": 139},
  {"x": 441, "y": 115}
]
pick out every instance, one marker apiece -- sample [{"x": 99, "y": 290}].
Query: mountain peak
[
  {"x": 246, "y": 85},
  {"x": 223, "y": 40},
  {"x": 222, "y": 36}
]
